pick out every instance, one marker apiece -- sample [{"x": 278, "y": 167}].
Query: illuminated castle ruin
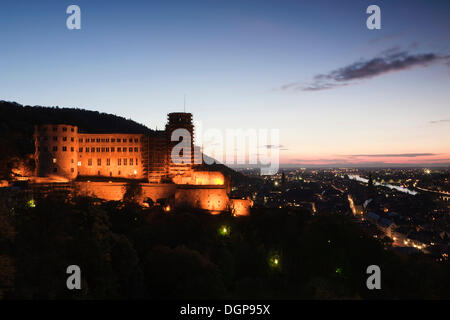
[{"x": 65, "y": 153}]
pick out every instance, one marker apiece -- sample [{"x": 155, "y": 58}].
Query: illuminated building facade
[
  {"x": 61, "y": 150},
  {"x": 64, "y": 152}
]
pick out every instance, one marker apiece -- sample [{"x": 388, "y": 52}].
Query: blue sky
[{"x": 231, "y": 58}]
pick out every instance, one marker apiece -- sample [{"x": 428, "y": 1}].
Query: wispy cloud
[
  {"x": 273, "y": 146},
  {"x": 392, "y": 60},
  {"x": 440, "y": 121},
  {"x": 394, "y": 155}
]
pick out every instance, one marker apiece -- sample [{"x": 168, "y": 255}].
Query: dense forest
[{"x": 127, "y": 252}]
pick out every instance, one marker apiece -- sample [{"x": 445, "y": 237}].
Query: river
[{"x": 390, "y": 186}]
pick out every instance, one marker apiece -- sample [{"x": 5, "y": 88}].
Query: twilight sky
[{"x": 338, "y": 92}]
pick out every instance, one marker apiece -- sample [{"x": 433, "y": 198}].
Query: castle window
[
  {"x": 130, "y": 149},
  {"x": 55, "y": 148},
  {"x": 136, "y": 149},
  {"x": 125, "y": 140},
  {"x": 98, "y": 172},
  {"x": 72, "y": 149},
  {"x": 55, "y": 138},
  {"x": 99, "y": 162},
  {"x": 125, "y": 162},
  {"x": 108, "y": 162},
  {"x": 118, "y": 139},
  {"x": 102, "y": 140},
  {"x": 92, "y": 149},
  {"x": 80, "y": 149},
  {"x": 72, "y": 170},
  {"x": 64, "y": 129},
  {"x": 113, "y": 140},
  {"x": 72, "y": 139},
  {"x": 103, "y": 149},
  {"x": 98, "y": 149},
  {"x": 107, "y": 139},
  {"x": 137, "y": 161},
  {"x": 80, "y": 140},
  {"x": 119, "y": 162},
  {"x": 119, "y": 149},
  {"x": 112, "y": 149},
  {"x": 64, "y": 138},
  {"x": 89, "y": 162},
  {"x": 107, "y": 149},
  {"x": 136, "y": 140},
  {"x": 87, "y": 149},
  {"x": 131, "y": 161},
  {"x": 98, "y": 139},
  {"x": 87, "y": 140},
  {"x": 64, "y": 148},
  {"x": 71, "y": 129},
  {"x": 73, "y": 161},
  {"x": 119, "y": 173}
]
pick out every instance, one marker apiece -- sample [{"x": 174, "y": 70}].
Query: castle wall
[
  {"x": 114, "y": 191},
  {"x": 240, "y": 207},
  {"x": 56, "y": 150},
  {"x": 111, "y": 155},
  {"x": 201, "y": 178},
  {"x": 202, "y": 197}
]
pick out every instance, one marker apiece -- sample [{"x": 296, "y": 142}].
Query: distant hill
[{"x": 17, "y": 116}]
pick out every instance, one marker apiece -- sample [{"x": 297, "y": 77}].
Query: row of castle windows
[
  {"x": 55, "y": 138},
  {"x": 107, "y": 149},
  {"x": 55, "y": 148},
  {"x": 55, "y": 129},
  {"x": 108, "y": 140},
  {"x": 72, "y": 149},
  {"x": 120, "y": 162},
  {"x": 108, "y": 162}
]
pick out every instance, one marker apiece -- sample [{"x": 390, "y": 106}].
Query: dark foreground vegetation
[{"x": 126, "y": 252}]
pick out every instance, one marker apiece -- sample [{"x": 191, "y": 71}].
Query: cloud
[
  {"x": 392, "y": 60},
  {"x": 440, "y": 121},
  {"x": 394, "y": 155},
  {"x": 272, "y": 146}
]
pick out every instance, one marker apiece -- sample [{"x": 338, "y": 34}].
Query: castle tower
[
  {"x": 180, "y": 139},
  {"x": 56, "y": 150}
]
